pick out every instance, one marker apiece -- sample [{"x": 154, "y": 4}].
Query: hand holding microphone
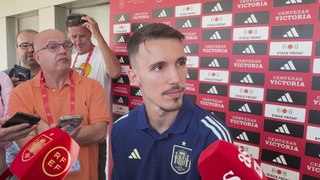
[{"x": 225, "y": 161}]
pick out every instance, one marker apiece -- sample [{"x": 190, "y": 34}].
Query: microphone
[{"x": 225, "y": 161}]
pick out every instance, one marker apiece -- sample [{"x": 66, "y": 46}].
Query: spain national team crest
[{"x": 181, "y": 159}]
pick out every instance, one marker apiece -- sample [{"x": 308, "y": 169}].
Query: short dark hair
[
  {"x": 150, "y": 32},
  {"x": 75, "y": 20}
]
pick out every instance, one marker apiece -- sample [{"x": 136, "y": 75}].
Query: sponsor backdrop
[{"x": 254, "y": 63}]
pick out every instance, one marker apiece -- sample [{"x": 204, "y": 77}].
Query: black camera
[{"x": 20, "y": 72}]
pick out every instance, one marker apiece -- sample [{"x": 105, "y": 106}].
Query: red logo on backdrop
[{"x": 56, "y": 161}]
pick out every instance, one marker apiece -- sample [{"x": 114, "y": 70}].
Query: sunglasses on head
[{"x": 75, "y": 21}]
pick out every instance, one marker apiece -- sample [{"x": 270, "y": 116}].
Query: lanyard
[
  {"x": 46, "y": 101},
  {"x": 87, "y": 60}
]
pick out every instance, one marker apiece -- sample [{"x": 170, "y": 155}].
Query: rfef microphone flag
[
  {"x": 49, "y": 155},
  {"x": 225, "y": 161}
]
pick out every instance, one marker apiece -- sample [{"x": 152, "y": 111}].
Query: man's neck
[
  {"x": 56, "y": 80},
  {"x": 161, "y": 120},
  {"x": 34, "y": 71}
]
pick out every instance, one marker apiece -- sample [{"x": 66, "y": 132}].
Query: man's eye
[
  {"x": 182, "y": 63},
  {"x": 157, "y": 68},
  {"x": 52, "y": 46}
]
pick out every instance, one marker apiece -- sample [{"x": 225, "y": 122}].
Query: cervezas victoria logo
[{"x": 252, "y": 4}]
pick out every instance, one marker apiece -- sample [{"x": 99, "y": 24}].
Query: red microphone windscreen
[
  {"x": 48, "y": 156},
  {"x": 225, "y": 161}
]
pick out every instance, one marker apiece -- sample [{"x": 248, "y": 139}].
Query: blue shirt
[{"x": 139, "y": 152}]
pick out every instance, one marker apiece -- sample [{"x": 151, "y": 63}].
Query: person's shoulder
[
  {"x": 4, "y": 75},
  {"x": 129, "y": 118},
  {"x": 126, "y": 121},
  {"x": 7, "y": 71},
  {"x": 211, "y": 125}
]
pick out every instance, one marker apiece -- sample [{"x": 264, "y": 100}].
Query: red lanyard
[
  {"x": 46, "y": 101},
  {"x": 87, "y": 60}
]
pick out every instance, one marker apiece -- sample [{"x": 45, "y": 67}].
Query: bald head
[{"x": 45, "y": 36}]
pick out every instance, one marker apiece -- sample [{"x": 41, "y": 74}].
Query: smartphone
[
  {"x": 20, "y": 118},
  {"x": 72, "y": 121},
  {"x": 20, "y": 72}
]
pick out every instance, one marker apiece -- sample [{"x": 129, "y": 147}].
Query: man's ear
[
  {"x": 134, "y": 79},
  {"x": 36, "y": 56}
]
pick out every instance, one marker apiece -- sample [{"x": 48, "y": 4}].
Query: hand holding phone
[
  {"x": 71, "y": 121},
  {"x": 20, "y": 118}
]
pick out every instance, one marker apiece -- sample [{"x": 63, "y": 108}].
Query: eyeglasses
[
  {"x": 25, "y": 45},
  {"x": 74, "y": 21},
  {"x": 54, "y": 46}
]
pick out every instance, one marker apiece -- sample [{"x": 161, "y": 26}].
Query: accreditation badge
[{"x": 75, "y": 167}]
